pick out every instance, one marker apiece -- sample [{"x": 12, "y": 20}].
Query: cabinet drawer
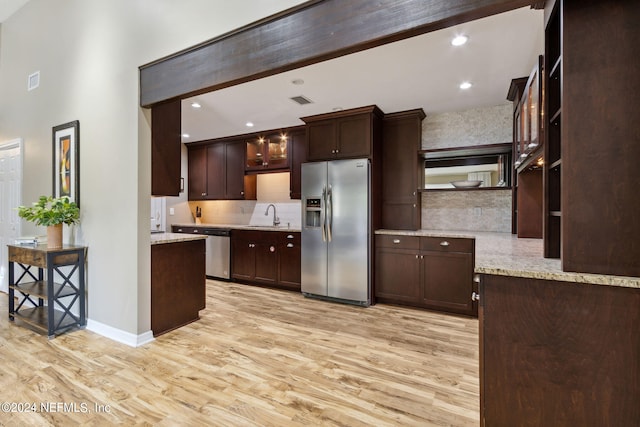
[
  {"x": 397, "y": 241},
  {"x": 290, "y": 238},
  {"x": 446, "y": 244},
  {"x": 181, "y": 229}
]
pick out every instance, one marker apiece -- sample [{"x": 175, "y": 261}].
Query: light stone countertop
[
  {"x": 160, "y": 238},
  {"x": 243, "y": 227},
  {"x": 506, "y": 254}
]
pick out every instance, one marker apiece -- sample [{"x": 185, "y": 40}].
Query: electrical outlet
[
  {"x": 172, "y": 211},
  {"x": 477, "y": 211}
]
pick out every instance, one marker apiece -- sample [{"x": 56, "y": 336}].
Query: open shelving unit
[{"x": 552, "y": 173}]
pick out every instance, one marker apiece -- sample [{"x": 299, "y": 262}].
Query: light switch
[{"x": 172, "y": 211}]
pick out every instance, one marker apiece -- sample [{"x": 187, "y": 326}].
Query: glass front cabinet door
[{"x": 268, "y": 152}]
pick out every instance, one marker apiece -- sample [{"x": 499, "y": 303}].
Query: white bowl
[{"x": 466, "y": 184}]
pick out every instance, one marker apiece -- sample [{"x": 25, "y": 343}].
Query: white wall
[{"x": 88, "y": 53}]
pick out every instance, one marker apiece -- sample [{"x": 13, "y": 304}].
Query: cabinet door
[
  {"x": 321, "y": 140},
  {"x": 397, "y": 276},
  {"x": 234, "y": 179},
  {"x": 447, "y": 281},
  {"x": 165, "y": 149},
  {"x": 354, "y": 136},
  {"x": 243, "y": 257},
  {"x": 290, "y": 261},
  {"x": 266, "y": 255},
  {"x": 197, "y": 181},
  {"x": 298, "y": 155},
  {"x": 215, "y": 171}
]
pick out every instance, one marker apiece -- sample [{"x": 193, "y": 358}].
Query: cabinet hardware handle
[
  {"x": 272, "y": 249},
  {"x": 444, "y": 243},
  {"x": 333, "y": 151},
  {"x": 266, "y": 164},
  {"x": 414, "y": 205},
  {"x": 337, "y": 151},
  {"x": 289, "y": 245},
  {"x": 180, "y": 229},
  {"x": 203, "y": 194},
  {"x": 476, "y": 278},
  {"x": 475, "y": 296},
  {"x": 289, "y": 236},
  {"x": 195, "y": 231},
  {"x": 396, "y": 241},
  {"x": 421, "y": 256},
  {"x": 242, "y": 193},
  {"x": 417, "y": 256}
]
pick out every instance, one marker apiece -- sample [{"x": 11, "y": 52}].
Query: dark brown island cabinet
[
  {"x": 269, "y": 258},
  {"x": 558, "y": 353},
  {"x": 429, "y": 272},
  {"x": 177, "y": 284}
]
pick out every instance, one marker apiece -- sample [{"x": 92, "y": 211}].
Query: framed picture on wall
[{"x": 66, "y": 161}]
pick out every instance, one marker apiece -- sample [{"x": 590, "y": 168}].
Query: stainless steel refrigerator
[{"x": 336, "y": 217}]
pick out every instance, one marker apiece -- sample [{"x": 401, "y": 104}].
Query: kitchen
[
  {"x": 546, "y": 268},
  {"x": 106, "y": 294}
]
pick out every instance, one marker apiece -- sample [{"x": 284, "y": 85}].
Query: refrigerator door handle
[
  {"x": 323, "y": 214},
  {"x": 330, "y": 211}
]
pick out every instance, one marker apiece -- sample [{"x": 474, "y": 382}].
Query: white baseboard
[{"x": 119, "y": 335}]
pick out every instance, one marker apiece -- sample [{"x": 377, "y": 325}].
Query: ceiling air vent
[
  {"x": 33, "y": 81},
  {"x": 302, "y": 100}
]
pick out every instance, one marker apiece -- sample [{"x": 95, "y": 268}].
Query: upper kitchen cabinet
[
  {"x": 402, "y": 170},
  {"x": 344, "y": 134},
  {"x": 216, "y": 172},
  {"x": 268, "y": 152},
  {"x": 165, "y": 149},
  {"x": 298, "y": 154}
]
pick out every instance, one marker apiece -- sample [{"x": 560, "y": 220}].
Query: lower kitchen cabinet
[
  {"x": 178, "y": 284},
  {"x": 428, "y": 272},
  {"x": 558, "y": 353},
  {"x": 269, "y": 258}
]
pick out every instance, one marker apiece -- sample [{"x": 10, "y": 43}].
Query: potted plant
[{"x": 51, "y": 212}]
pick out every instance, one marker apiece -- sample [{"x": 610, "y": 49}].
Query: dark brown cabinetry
[
  {"x": 268, "y": 152},
  {"x": 216, "y": 172},
  {"x": 402, "y": 170},
  {"x": 429, "y": 272},
  {"x": 342, "y": 135},
  {"x": 298, "y": 145},
  {"x": 266, "y": 258},
  {"x": 558, "y": 353},
  {"x": 165, "y": 148},
  {"x": 178, "y": 284}
]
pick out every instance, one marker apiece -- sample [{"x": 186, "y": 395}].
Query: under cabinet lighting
[
  {"x": 185, "y": 135},
  {"x": 459, "y": 40},
  {"x": 249, "y": 124},
  {"x": 196, "y": 105},
  {"x": 465, "y": 85}
]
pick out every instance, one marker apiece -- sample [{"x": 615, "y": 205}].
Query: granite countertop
[
  {"x": 506, "y": 254},
  {"x": 294, "y": 229},
  {"x": 160, "y": 238}
]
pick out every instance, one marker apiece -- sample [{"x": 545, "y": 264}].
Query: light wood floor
[{"x": 257, "y": 357}]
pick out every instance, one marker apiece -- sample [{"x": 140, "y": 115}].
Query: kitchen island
[
  {"x": 556, "y": 347},
  {"x": 177, "y": 280}
]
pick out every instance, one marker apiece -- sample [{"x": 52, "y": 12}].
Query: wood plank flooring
[{"x": 257, "y": 357}]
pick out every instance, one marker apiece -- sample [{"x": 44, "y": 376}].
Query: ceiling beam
[{"x": 315, "y": 31}]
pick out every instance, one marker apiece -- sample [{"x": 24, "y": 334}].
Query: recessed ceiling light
[
  {"x": 185, "y": 135},
  {"x": 195, "y": 105},
  {"x": 297, "y": 81},
  {"x": 249, "y": 124},
  {"x": 465, "y": 85},
  {"x": 459, "y": 40}
]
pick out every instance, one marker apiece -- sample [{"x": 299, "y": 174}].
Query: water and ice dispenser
[{"x": 312, "y": 213}]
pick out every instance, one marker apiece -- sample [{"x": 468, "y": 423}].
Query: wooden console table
[{"x": 57, "y": 289}]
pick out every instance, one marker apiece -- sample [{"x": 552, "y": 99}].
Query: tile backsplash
[{"x": 474, "y": 210}]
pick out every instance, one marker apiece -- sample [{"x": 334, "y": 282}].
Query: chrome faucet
[{"x": 276, "y": 220}]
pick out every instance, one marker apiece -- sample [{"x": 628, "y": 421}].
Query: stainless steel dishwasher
[
  {"x": 218, "y": 252},
  {"x": 218, "y": 248}
]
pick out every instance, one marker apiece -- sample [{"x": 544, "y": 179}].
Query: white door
[{"x": 10, "y": 198}]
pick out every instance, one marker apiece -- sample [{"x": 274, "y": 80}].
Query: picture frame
[{"x": 66, "y": 161}]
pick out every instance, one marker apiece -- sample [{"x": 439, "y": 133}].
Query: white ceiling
[
  {"x": 423, "y": 71},
  {"x": 9, "y": 7}
]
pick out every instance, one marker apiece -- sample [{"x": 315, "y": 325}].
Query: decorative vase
[{"x": 54, "y": 236}]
